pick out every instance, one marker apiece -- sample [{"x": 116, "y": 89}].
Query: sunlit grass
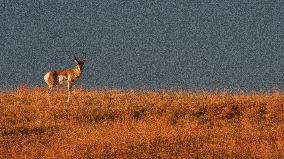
[{"x": 141, "y": 124}]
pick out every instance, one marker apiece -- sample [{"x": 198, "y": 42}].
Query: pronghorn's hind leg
[
  {"x": 50, "y": 88},
  {"x": 50, "y": 82}
]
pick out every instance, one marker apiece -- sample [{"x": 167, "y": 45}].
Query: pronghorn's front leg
[{"x": 69, "y": 85}]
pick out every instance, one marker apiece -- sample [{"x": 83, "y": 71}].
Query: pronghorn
[{"x": 66, "y": 76}]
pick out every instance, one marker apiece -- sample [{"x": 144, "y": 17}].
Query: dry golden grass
[{"x": 141, "y": 124}]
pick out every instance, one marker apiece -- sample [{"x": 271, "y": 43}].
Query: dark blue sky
[{"x": 130, "y": 44}]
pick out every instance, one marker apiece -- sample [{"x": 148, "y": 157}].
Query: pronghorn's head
[{"x": 80, "y": 63}]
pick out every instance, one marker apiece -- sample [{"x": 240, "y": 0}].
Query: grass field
[{"x": 141, "y": 124}]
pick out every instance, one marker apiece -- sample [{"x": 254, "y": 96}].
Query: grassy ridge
[{"x": 141, "y": 124}]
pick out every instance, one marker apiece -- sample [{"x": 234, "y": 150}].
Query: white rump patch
[{"x": 46, "y": 76}]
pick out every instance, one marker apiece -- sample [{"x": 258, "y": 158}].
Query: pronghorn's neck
[{"x": 77, "y": 71}]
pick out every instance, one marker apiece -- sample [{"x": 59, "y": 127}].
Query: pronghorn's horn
[
  {"x": 75, "y": 57},
  {"x": 84, "y": 57}
]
